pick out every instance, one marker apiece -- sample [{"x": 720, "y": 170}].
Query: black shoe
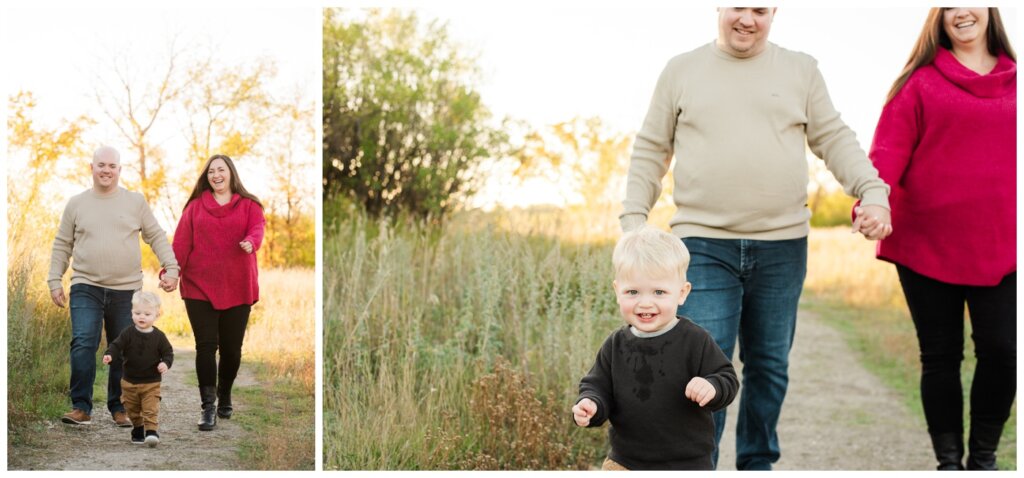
[
  {"x": 152, "y": 438},
  {"x": 949, "y": 450},
  {"x": 208, "y": 420},
  {"x": 982, "y": 445},
  {"x": 224, "y": 408},
  {"x": 138, "y": 435}
]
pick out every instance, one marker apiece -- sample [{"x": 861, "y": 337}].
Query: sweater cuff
[
  {"x": 630, "y": 222},
  {"x": 252, "y": 240},
  {"x": 875, "y": 197},
  {"x": 54, "y": 284},
  {"x": 170, "y": 273},
  {"x": 720, "y": 401}
]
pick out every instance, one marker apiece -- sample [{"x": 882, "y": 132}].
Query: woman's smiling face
[
  {"x": 965, "y": 26},
  {"x": 219, "y": 176}
]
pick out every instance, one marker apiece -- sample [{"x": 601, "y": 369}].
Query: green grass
[
  {"x": 281, "y": 419},
  {"x": 37, "y": 378}
]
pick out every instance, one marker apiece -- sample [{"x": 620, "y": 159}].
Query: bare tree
[
  {"x": 134, "y": 106},
  {"x": 228, "y": 106}
]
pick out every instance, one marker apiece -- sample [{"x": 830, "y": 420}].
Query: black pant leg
[
  {"x": 993, "y": 312},
  {"x": 937, "y": 309},
  {"x": 232, "y": 325},
  {"x": 206, "y": 329}
]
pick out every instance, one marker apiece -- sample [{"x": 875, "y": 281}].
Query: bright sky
[
  {"x": 57, "y": 52},
  {"x": 547, "y": 64},
  {"x": 543, "y": 62}
]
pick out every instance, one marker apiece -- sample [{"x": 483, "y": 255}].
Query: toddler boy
[
  {"x": 659, "y": 377},
  {"x": 147, "y": 355}
]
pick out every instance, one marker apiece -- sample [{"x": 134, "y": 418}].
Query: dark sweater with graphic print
[
  {"x": 141, "y": 352},
  {"x": 639, "y": 385}
]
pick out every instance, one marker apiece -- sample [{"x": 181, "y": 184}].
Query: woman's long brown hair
[
  {"x": 933, "y": 35},
  {"x": 203, "y": 184}
]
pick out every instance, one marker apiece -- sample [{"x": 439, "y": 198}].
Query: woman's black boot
[
  {"x": 982, "y": 445},
  {"x": 224, "y": 408},
  {"x": 208, "y": 394},
  {"x": 949, "y": 450}
]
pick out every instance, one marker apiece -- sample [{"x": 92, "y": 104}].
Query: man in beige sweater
[
  {"x": 99, "y": 235},
  {"x": 736, "y": 114}
]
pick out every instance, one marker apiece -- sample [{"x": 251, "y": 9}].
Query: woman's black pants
[
  {"x": 215, "y": 330},
  {"x": 937, "y": 309}
]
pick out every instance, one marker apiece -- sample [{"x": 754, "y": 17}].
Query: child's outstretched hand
[
  {"x": 106, "y": 360},
  {"x": 700, "y": 390},
  {"x": 161, "y": 367},
  {"x": 583, "y": 411}
]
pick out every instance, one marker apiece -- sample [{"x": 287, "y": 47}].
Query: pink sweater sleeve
[
  {"x": 897, "y": 135},
  {"x": 182, "y": 243},
  {"x": 255, "y": 228}
]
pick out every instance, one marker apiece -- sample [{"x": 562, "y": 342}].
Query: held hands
[
  {"x": 246, "y": 246},
  {"x": 873, "y": 221},
  {"x": 583, "y": 411},
  {"x": 700, "y": 390},
  {"x": 106, "y": 360},
  {"x": 168, "y": 284},
  {"x": 161, "y": 367},
  {"x": 58, "y": 297}
]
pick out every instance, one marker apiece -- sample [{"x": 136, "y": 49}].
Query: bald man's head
[{"x": 106, "y": 169}]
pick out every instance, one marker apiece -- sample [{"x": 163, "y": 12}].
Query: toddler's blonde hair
[
  {"x": 142, "y": 297},
  {"x": 652, "y": 252}
]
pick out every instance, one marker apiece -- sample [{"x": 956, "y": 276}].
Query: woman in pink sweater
[
  {"x": 946, "y": 143},
  {"x": 215, "y": 243}
]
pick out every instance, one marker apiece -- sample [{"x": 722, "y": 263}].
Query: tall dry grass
[
  {"x": 461, "y": 346},
  {"x": 38, "y": 334},
  {"x": 416, "y": 317}
]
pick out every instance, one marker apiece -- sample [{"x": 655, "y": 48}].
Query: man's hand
[
  {"x": 161, "y": 367},
  {"x": 246, "y": 246},
  {"x": 873, "y": 221},
  {"x": 106, "y": 360},
  {"x": 168, "y": 284},
  {"x": 700, "y": 390},
  {"x": 583, "y": 411},
  {"x": 58, "y": 296}
]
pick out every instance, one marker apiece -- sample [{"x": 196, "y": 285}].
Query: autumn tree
[
  {"x": 43, "y": 148},
  {"x": 403, "y": 124},
  {"x": 291, "y": 237},
  {"x": 227, "y": 106},
  {"x": 582, "y": 154},
  {"x": 189, "y": 106}
]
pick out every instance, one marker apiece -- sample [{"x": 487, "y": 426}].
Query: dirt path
[
  {"x": 837, "y": 416},
  {"x": 103, "y": 446}
]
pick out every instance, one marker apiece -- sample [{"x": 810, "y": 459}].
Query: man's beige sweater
[
  {"x": 737, "y": 128},
  {"x": 101, "y": 234}
]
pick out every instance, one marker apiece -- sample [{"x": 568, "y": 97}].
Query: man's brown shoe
[
  {"x": 121, "y": 419},
  {"x": 76, "y": 417}
]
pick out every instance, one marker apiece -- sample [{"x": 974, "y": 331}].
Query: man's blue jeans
[
  {"x": 94, "y": 309},
  {"x": 749, "y": 290}
]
